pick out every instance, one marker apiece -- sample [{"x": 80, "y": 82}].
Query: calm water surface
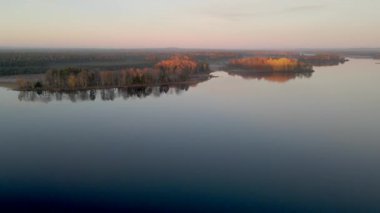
[{"x": 232, "y": 144}]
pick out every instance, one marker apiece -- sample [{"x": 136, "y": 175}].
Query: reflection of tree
[
  {"x": 279, "y": 77},
  {"x": 44, "y": 97},
  {"x": 104, "y": 94}
]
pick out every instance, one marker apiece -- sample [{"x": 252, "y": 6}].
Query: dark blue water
[{"x": 232, "y": 144}]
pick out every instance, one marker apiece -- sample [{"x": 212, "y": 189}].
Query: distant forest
[
  {"x": 15, "y": 62},
  {"x": 40, "y": 61},
  {"x": 69, "y": 70}
]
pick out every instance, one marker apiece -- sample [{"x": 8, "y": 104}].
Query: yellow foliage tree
[{"x": 72, "y": 82}]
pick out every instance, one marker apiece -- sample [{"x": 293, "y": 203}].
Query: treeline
[
  {"x": 323, "y": 59},
  {"x": 15, "y": 62},
  {"x": 40, "y": 61},
  {"x": 175, "y": 69},
  {"x": 262, "y": 64}
]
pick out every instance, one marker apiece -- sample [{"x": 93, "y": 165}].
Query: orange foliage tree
[{"x": 270, "y": 64}]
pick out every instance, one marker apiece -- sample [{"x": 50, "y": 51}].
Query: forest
[
  {"x": 79, "y": 69},
  {"x": 173, "y": 70},
  {"x": 39, "y": 61},
  {"x": 16, "y": 62}
]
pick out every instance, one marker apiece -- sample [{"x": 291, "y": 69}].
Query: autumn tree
[
  {"x": 83, "y": 79},
  {"x": 72, "y": 82}
]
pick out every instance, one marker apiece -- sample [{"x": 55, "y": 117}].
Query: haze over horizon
[{"x": 214, "y": 24}]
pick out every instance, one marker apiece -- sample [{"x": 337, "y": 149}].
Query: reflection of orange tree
[
  {"x": 175, "y": 69},
  {"x": 278, "y": 77},
  {"x": 270, "y": 64}
]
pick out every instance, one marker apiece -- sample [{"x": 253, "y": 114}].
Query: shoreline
[
  {"x": 13, "y": 78},
  {"x": 10, "y": 83}
]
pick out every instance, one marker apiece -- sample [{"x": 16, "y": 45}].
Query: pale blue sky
[{"x": 191, "y": 24}]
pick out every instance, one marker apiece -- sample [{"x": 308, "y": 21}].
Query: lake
[{"x": 231, "y": 144}]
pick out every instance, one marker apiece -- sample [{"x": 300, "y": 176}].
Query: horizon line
[{"x": 183, "y": 48}]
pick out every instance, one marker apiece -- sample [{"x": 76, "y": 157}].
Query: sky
[{"x": 226, "y": 24}]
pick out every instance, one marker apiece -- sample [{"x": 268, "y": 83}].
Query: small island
[
  {"x": 278, "y": 70},
  {"x": 261, "y": 64}
]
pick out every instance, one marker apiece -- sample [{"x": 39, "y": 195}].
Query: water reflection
[
  {"x": 142, "y": 92},
  {"x": 278, "y": 77},
  {"x": 230, "y": 145},
  {"x": 103, "y": 94}
]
